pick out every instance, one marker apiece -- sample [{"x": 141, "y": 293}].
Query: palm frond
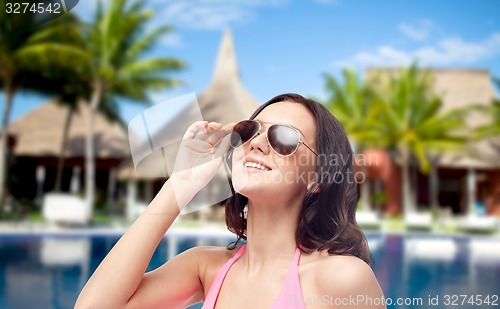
[
  {"x": 151, "y": 66},
  {"x": 352, "y": 103},
  {"x": 145, "y": 43},
  {"x": 49, "y": 55},
  {"x": 418, "y": 150}
]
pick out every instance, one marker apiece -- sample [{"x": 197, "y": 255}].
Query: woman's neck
[{"x": 270, "y": 234}]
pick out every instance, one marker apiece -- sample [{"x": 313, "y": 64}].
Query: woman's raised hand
[
  {"x": 200, "y": 155},
  {"x": 119, "y": 281}
]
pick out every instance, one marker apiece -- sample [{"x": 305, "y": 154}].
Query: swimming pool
[{"x": 48, "y": 271}]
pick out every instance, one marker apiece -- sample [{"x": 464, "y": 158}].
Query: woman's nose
[{"x": 259, "y": 142}]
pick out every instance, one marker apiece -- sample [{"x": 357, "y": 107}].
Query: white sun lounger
[
  {"x": 57, "y": 251},
  {"x": 368, "y": 219},
  {"x": 475, "y": 223},
  {"x": 65, "y": 208},
  {"x": 484, "y": 249},
  {"x": 420, "y": 221},
  {"x": 431, "y": 249}
]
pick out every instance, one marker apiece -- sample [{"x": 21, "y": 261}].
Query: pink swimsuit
[{"x": 290, "y": 295}]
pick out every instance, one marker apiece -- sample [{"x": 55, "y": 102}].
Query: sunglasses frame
[{"x": 267, "y": 133}]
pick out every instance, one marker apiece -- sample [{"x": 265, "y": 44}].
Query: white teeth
[{"x": 256, "y": 165}]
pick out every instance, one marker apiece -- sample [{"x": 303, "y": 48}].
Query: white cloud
[
  {"x": 418, "y": 32},
  {"x": 211, "y": 14},
  {"x": 195, "y": 14},
  {"x": 452, "y": 50},
  {"x": 86, "y": 11}
]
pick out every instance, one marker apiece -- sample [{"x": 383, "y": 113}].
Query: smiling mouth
[{"x": 257, "y": 166}]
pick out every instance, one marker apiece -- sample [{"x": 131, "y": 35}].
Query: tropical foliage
[
  {"x": 30, "y": 60},
  {"x": 115, "y": 50},
  {"x": 413, "y": 126},
  {"x": 492, "y": 111},
  {"x": 353, "y": 104},
  {"x": 96, "y": 63},
  {"x": 396, "y": 110}
]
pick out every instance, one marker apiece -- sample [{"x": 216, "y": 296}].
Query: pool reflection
[{"x": 49, "y": 271}]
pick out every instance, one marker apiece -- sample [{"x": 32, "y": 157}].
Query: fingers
[
  {"x": 203, "y": 136},
  {"x": 215, "y": 132},
  {"x": 214, "y": 125},
  {"x": 209, "y": 126},
  {"x": 224, "y": 131},
  {"x": 195, "y": 129},
  {"x": 197, "y": 146},
  {"x": 228, "y": 127}
]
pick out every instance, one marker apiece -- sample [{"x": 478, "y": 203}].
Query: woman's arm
[
  {"x": 118, "y": 277},
  {"x": 119, "y": 281}
]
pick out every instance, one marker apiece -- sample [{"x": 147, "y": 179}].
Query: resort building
[
  {"x": 38, "y": 135},
  {"x": 38, "y": 138},
  {"x": 467, "y": 182}
]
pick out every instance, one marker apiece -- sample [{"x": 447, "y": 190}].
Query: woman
[{"x": 294, "y": 202}]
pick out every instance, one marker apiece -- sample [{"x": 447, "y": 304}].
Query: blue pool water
[{"x": 48, "y": 271}]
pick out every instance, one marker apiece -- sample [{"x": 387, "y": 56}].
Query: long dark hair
[{"x": 327, "y": 218}]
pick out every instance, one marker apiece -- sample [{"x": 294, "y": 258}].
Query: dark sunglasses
[{"x": 283, "y": 139}]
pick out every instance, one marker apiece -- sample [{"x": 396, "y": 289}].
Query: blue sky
[{"x": 285, "y": 45}]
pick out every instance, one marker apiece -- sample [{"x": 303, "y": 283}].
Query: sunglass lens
[
  {"x": 243, "y": 131},
  {"x": 283, "y": 139}
]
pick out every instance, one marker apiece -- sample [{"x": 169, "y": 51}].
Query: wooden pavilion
[
  {"x": 38, "y": 138},
  {"x": 466, "y": 179}
]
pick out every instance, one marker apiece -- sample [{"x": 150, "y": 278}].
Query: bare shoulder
[
  {"x": 343, "y": 277},
  {"x": 329, "y": 267},
  {"x": 210, "y": 259},
  {"x": 212, "y": 254},
  {"x": 204, "y": 258},
  {"x": 207, "y": 250}
]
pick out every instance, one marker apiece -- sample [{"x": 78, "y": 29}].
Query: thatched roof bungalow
[
  {"x": 38, "y": 139},
  {"x": 466, "y": 178}
]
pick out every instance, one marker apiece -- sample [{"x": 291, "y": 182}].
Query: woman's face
[{"x": 283, "y": 177}]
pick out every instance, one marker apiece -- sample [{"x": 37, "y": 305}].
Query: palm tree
[
  {"x": 493, "y": 127},
  {"x": 116, "y": 45},
  {"x": 26, "y": 57},
  {"x": 414, "y": 127},
  {"x": 70, "y": 84},
  {"x": 67, "y": 83},
  {"x": 352, "y": 103}
]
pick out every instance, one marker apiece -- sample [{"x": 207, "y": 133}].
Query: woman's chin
[
  {"x": 244, "y": 187},
  {"x": 249, "y": 188}
]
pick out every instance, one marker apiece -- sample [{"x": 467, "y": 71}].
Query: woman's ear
[{"x": 313, "y": 184}]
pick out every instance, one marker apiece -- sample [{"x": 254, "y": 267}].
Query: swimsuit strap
[
  {"x": 290, "y": 294},
  {"x": 214, "y": 290},
  {"x": 296, "y": 258},
  {"x": 290, "y": 290}
]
